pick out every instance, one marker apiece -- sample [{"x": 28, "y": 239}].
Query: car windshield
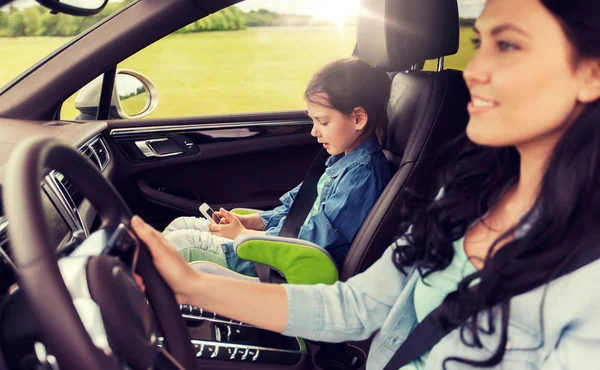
[{"x": 29, "y": 32}]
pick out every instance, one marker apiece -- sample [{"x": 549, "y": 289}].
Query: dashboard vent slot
[
  {"x": 73, "y": 192},
  {"x": 99, "y": 147},
  {"x": 88, "y": 152}
]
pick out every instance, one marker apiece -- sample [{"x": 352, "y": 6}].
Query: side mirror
[
  {"x": 75, "y": 7},
  {"x": 133, "y": 96}
]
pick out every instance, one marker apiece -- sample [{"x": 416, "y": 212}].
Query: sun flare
[{"x": 338, "y": 10}]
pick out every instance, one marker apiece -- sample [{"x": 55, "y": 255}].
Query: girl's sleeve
[
  {"x": 344, "y": 212},
  {"x": 272, "y": 217}
]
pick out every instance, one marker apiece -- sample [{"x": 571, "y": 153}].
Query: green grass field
[
  {"x": 135, "y": 104},
  {"x": 253, "y": 70}
]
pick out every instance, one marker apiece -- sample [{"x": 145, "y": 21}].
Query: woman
[{"x": 518, "y": 205}]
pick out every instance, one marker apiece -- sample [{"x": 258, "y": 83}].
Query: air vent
[
  {"x": 99, "y": 148},
  {"x": 88, "y": 152},
  {"x": 96, "y": 151},
  {"x": 73, "y": 192}
]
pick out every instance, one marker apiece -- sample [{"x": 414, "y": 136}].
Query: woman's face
[{"x": 524, "y": 80}]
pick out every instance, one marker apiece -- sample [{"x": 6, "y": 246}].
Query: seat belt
[
  {"x": 430, "y": 331},
  {"x": 298, "y": 212},
  {"x": 307, "y": 194}
]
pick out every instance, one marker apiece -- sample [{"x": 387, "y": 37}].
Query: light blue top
[
  {"x": 383, "y": 299},
  {"x": 431, "y": 291}
]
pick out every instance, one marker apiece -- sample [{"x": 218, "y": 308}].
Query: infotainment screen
[{"x": 58, "y": 228}]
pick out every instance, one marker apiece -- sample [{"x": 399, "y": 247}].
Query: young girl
[
  {"x": 521, "y": 202},
  {"x": 347, "y": 101}
]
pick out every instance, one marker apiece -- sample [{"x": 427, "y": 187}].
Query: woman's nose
[{"x": 476, "y": 71}]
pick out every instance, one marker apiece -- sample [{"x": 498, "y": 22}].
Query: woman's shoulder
[{"x": 573, "y": 297}]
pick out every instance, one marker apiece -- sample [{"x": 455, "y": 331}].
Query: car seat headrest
[{"x": 396, "y": 34}]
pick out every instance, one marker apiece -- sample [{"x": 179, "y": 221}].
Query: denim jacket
[
  {"x": 355, "y": 182},
  {"x": 382, "y": 299}
]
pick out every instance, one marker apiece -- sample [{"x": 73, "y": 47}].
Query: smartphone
[{"x": 209, "y": 213}]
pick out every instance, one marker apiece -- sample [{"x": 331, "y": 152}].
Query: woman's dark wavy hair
[
  {"x": 350, "y": 83},
  {"x": 566, "y": 210}
]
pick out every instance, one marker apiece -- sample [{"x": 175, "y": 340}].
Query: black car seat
[{"x": 426, "y": 109}]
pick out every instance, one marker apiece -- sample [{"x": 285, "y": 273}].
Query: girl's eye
[
  {"x": 506, "y": 46},
  {"x": 323, "y": 123},
  {"x": 476, "y": 43}
]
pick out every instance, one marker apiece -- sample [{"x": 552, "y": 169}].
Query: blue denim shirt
[
  {"x": 382, "y": 299},
  {"x": 355, "y": 182}
]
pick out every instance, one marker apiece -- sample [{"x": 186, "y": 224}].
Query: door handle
[{"x": 163, "y": 147}]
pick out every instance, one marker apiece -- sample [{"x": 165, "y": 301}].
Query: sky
[{"x": 467, "y": 8}]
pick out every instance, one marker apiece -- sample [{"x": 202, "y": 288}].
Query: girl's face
[
  {"x": 337, "y": 132},
  {"x": 525, "y": 79}
]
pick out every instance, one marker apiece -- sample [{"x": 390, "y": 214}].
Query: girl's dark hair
[
  {"x": 567, "y": 208},
  {"x": 351, "y": 83}
]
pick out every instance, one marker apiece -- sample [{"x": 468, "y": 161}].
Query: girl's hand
[
  {"x": 229, "y": 228},
  {"x": 219, "y": 218},
  {"x": 171, "y": 266},
  {"x": 250, "y": 222}
]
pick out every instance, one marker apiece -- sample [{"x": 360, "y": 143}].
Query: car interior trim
[
  {"x": 4, "y": 244},
  {"x": 90, "y": 144},
  {"x": 56, "y": 186},
  {"x": 152, "y": 129},
  {"x": 146, "y": 148},
  {"x": 201, "y": 343}
]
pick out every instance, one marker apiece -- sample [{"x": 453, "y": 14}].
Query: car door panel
[{"x": 244, "y": 161}]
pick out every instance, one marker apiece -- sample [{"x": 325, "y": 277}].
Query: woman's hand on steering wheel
[{"x": 172, "y": 267}]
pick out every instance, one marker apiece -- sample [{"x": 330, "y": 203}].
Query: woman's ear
[
  {"x": 590, "y": 90},
  {"x": 360, "y": 117}
]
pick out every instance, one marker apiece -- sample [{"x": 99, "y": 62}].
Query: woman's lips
[{"x": 479, "y": 105}]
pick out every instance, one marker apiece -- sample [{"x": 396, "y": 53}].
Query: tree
[
  {"x": 16, "y": 24},
  {"x": 31, "y": 19},
  {"x": 3, "y": 19}
]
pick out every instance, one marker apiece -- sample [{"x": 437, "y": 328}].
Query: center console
[{"x": 219, "y": 339}]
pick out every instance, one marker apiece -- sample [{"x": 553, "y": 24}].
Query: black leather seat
[{"x": 426, "y": 110}]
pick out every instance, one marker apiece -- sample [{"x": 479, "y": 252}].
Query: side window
[
  {"x": 256, "y": 56},
  {"x": 469, "y": 10}
]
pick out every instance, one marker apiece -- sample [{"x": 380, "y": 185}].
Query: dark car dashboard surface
[{"x": 68, "y": 215}]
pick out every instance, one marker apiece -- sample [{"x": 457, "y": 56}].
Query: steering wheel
[{"x": 90, "y": 311}]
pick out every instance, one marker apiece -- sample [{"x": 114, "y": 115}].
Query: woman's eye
[
  {"x": 506, "y": 46},
  {"x": 323, "y": 123},
  {"x": 476, "y": 43}
]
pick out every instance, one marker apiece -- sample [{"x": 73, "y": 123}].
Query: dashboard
[{"x": 68, "y": 216}]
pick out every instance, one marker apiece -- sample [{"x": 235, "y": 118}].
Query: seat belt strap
[
  {"x": 429, "y": 331},
  {"x": 307, "y": 194}
]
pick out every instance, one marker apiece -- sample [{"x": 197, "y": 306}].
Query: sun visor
[{"x": 395, "y": 34}]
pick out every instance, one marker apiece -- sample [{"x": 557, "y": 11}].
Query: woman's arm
[
  {"x": 344, "y": 311},
  {"x": 263, "y": 305}
]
